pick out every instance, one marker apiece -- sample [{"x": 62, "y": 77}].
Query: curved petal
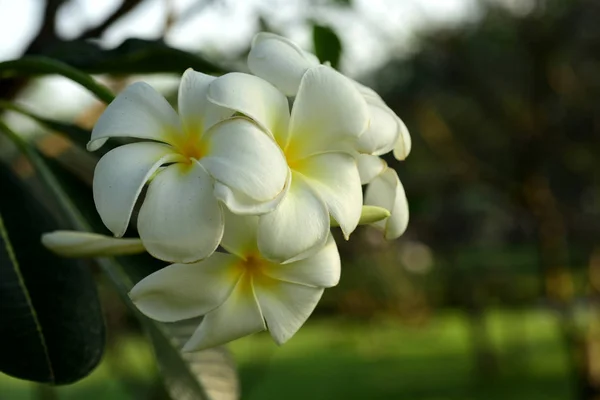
[
  {"x": 369, "y": 167},
  {"x": 404, "y": 142},
  {"x": 255, "y": 98},
  {"x": 138, "y": 111},
  {"x": 285, "y": 306},
  {"x": 387, "y": 191},
  {"x": 298, "y": 226},
  {"x": 120, "y": 176},
  {"x": 321, "y": 122},
  {"x": 279, "y": 61},
  {"x": 319, "y": 270},
  {"x": 182, "y": 291},
  {"x": 383, "y": 131},
  {"x": 238, "y": 316},
  {"x": 241, "y": 204},
  {"x": 180, "y": 219},
  {"x": 196, "y": 112},
  {"x": 242, "y": 156},
  {"x": 87, "y": 244},
  {"x": 334, "y": 176},
  {"x": 239, "y": 237}
]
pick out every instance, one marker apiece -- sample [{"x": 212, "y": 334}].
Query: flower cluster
[{"x": 261, "y": 165}]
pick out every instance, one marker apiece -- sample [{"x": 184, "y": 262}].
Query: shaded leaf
[
  {"x": 328, "y": 46},
  {"x": 183, "y": 374},
  {"x": 51, "y": 324},
  {"x": 133, "y": 56}
]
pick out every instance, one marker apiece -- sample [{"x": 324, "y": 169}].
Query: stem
[{"x": 33, "y": 65}]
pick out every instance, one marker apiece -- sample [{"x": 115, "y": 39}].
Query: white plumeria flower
[
  {"x": 205, "y": 153},
  {"x": 328, "y": 114},
  {"x": 283, "y": 63},
  {"x": 385, "y": 190},
  {"x": 239, "y": 293}
]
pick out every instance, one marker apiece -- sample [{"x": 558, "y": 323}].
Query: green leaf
[
  {"x": 186, "y": 376},
  {"x": 51, "y": 324},
  {"x": 36, "y": 65},
  {"x": 133, "y": 56},
  {"x": 328, "y": 46}
]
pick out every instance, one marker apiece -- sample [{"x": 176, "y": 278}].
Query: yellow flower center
[
  {"x": 190, "y": 143},
  {"x": 254, "y": 268}
]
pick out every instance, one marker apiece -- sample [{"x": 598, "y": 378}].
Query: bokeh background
[{"x": 494, "y": 290}]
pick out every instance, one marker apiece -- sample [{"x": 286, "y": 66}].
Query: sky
[{"x": 369, "y": 30}]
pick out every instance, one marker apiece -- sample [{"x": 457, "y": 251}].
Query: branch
[{"x": 124, "y": 9}]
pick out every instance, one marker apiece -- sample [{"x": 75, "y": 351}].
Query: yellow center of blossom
[
  {"x": 189, "y": 143},
  {"x": 254, "y": 268}
]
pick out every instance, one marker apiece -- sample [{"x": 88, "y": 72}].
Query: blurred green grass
[{"x": 349, "y": 359}]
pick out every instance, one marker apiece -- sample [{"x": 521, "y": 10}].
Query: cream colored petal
[
  {"x": 404, "y": 143},
  {"x": 180, "y": 219},
  {"x": 255, "y": 98},
  {"x": 334, "y": 176},
  {"x": 139, "y": 111},
  {"x": 238, "y": 316},
  {"x": 182, "y": 291},
  {"x": 328, "y": 111},
  {"x": 242, "y": 156},
  {"x": 120, "y": 176},
  {"x": 239, "y": 237},
  {"x": 322, "y": 269},
  {"x": 297, "y": 227},
  {"x": 387, "y": 191},
  {"x": 87, "y": 244},
  {"x": 279, "y": 61},
  {"x": 285, "y": 306},
  {"x": 241, "y": 204},
  {"x": 369, "y": 167},
  {"x": 383, "y": 131}
]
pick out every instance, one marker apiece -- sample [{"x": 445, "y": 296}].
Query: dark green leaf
[
  {"x": 328, "y": 46},
  {"x": 35, "y": 65},
  {"x": 51, "y": 325},
  {"x": 133, "y": 56}
]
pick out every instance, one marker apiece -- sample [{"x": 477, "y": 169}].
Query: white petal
[
  {"x": 369, "y": 167},
  {"x": 383, "y": 131},
  {"x": 334, "y": 176},
  {"x": 298, "y": 226},
  {"x": 239, "y": 237},
  {"x": 285, "y": 306},
  {"x": 387, "y": 191},
  {"x": 120, "y": 176},
  {"x": 242, "y": 156},
  {"x": 237, "y": 317},
  {"x": 196, "y": 112},
  {"x": 255, "y": 98},
  {"x": 180, "y": 219},
  {"x": 86, "y": 244},
  {"x": 328, "y": 111},
  {"x": 404, "y": 142},
  {"x": 182, "y": 291},
  {"x": 239, "y": 203},
  {"x": 279, "y": 61},
  {"x": 319, "y": 270},
  {"x": 138, "y": 111}
]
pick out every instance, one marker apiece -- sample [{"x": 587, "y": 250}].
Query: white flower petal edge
[
  {"x": 139, "y": 111},
  {"x": 279, "y": 61},
  {"x": 120, "y": 176},
  {"x": 87, "y": 244},
  {"x": 180, "y": 219},
  {"x": 182, "y": 291},
  {"x": 369, "y": 167},
  {"x": 287, "y": 308},
  {"x": 320, "y": 122},
  {"x": 323, "y": 269},
  {"x": 195, "y": 110},
  {"x": 238, "y": 316},
  {"x": 298, "y": 226},
  {"x": 243, "y": 157},
  {"x": 255, "y": 98},
  {"x": 403, "y": 145},
  {"x": 387, "y": 191},
  {"x": 335, "y": 178}
]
